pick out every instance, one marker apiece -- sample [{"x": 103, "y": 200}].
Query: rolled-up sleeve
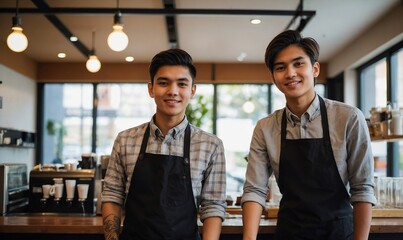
[
  {"x": 114, "y": 181},
  {"x": 258, "y": 170},
  {"x": 360, "y": 161},
  {"x": 213, "y": 193}
]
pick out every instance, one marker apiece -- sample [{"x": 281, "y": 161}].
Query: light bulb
[
  {"x": 129, "y": 59},
  {"x": 248, "y": 106},
  {"x": 255, "y": 21},
  {"x": 17, "y": 41},
  {"x": 93, "y": 64},
  {"x": 118, "y": 40}
]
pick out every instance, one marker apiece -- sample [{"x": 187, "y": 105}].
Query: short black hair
[
  {"x": 287, "y": 38},
  {"x": 172, "y": 57}
]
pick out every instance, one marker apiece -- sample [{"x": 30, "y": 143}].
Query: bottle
[{"x": 396, "y": 123}]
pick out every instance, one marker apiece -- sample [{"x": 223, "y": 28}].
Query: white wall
[
  {"x": 18, "y": 112},
  {"x": 382, "y": 35}
]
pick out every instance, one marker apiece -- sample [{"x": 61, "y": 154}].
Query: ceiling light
[
  {"x": 73, "y": 39},
  {"x": 255, "y": 21},
  {"x": 117, "y": 39},
  {"x": 93, "y": 64},
  {"x": 248, "y": 106},
  {"x": 241, "y": 56},
  {"x": 17, "y": 41},
  {"x": 129, "y": 59},
  {"x": 61, "y": 55}
]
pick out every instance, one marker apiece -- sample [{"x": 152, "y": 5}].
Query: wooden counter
[{"x": 93, "y": 225}]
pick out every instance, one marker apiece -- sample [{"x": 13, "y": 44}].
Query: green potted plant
[
  {"x": 196, "y": 111},
  {"x": 56, "y": 129}
]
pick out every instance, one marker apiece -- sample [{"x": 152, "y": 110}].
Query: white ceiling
[{"x": 208, "y": 38}]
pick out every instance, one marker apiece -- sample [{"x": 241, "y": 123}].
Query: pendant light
[
  {"x": 17, "y": 41},
  {"x": 117, "y": 39},
  {"x": 93, "y": 64},
  {"x": 248, "y": 106}
]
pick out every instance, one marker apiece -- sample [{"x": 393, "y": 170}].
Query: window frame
[{"x": 392, "y": 152}]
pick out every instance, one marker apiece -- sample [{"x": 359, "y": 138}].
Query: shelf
[
  {"x": 17, "y": 138},
  {"x": 389, "y": 138}
]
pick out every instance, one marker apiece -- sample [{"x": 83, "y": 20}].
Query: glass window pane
[
  {"x": 374, "y": 94},
  {"x": 239, "y": 108},
  {"x": 320, "y": 89},
  {"x": 379, "y": 149},
  {"x": 277, "y": 98},
  {"x": 120, "y": 106},
  {"x": 373, "y": 87},
  {"x": 397, "y": 73},
  {"x": 200, "y": 109},
  {"x": 397, "y": 77},
  {"x": 67, "y": 121}
]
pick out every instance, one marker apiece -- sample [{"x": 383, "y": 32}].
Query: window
[
  {"x": 381, "y": 82},
  {"x": 277, "y": 98},
  {"x": 239, "y": 107},
  {"x": 397, "y": 79},
  {"x": 375, "y": 85},
  {"x": 201, "y": 107},
  {"x": 120, "y": 106},
  {"x": 67, "y": 121}
]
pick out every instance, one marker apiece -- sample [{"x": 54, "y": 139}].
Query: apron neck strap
[{"x": 325, "y": 122}]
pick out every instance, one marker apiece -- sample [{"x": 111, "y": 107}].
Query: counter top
[{"x": 93, "y": 225}]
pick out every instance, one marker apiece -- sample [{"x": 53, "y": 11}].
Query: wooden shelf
[
  {"x": 18, "y": 139},
  {"x": 389, "y": 138}
]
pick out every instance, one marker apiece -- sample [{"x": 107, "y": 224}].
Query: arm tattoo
[{"x": 111, "y": 227}]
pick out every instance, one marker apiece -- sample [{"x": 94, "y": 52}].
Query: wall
[
  {"x": 382, "y": 35},
  {"x": 18, "y": 112}
]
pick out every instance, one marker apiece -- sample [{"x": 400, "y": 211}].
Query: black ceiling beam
[
  {"x": 153, "y": 11},
  {"x": 42, "y": 5},
  {"x": 304, "y": 19},
  {"x": 171, "y": 24}
]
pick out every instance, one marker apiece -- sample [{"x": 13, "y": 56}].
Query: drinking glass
[
  {"x": 398, "y": 192},
  {"x": 385, "y": 189}
]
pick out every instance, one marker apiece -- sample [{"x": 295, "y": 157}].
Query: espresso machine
[{"x": 61, "y": 191}]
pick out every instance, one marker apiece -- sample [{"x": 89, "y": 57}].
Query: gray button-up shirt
[{"x": 349, "y": 138}]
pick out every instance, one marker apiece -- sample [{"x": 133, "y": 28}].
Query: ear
[
  {"x": 150, "y": 89},
  {"x": 193, "y": 90},
  {"x": 316, "y": 69}
]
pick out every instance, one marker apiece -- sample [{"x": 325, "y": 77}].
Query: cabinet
[{"x": 16, "y": 138}]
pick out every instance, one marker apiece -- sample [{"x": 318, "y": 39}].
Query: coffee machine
[{"x": 62, "y": 191}]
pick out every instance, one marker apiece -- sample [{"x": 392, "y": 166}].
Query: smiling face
[
  {"x": 172, "y": 90},
  {"x": 294, "y": 74}
]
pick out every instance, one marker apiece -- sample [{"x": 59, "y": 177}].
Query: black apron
[
  {"x": 160, "y": 203},
  {"x": 315, "y": 203}
]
